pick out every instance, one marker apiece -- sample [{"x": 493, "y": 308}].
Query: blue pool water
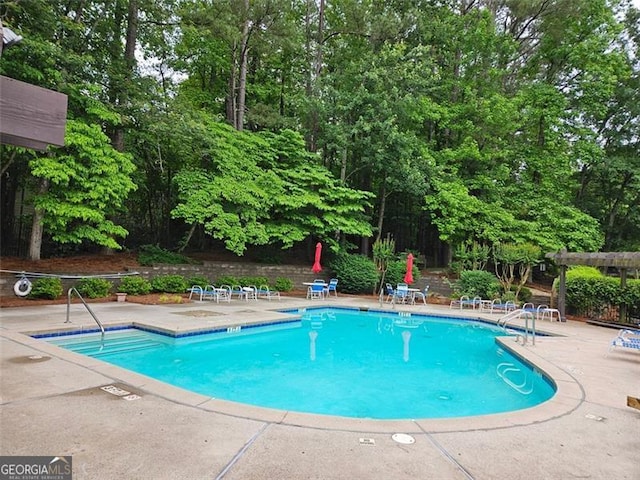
[{"x": 338, "y": 362}]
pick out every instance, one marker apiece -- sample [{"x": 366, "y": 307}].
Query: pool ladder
[
  {"x": 74, "y": 290},
  {"x": 502, "y": 322}
]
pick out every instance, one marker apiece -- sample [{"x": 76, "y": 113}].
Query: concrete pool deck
[{"x": 52, "y": 404}]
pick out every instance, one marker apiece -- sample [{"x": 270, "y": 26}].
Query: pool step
[{"x": 110, "y": 345}]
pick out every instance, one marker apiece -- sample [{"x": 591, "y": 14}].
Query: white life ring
[{"x": 22, "y": 287}]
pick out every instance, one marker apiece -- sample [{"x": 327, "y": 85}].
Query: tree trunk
[
  {"x": 122, "y": 94},
  {"x": 37, "y": 228},
  {"x": 383, "y": 204},
  {"x": 242, "y": 80}
]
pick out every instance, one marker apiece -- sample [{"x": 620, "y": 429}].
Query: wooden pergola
[{"x": 624, "y": 261}]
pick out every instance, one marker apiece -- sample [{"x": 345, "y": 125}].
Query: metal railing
[
  {"x": 74, "y": 290},
  {"x": 520, "y": 314}
]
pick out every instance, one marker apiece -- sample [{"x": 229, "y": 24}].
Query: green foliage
[
  {"x": 255, "y": 281},
  {"x": 283, "y": 284},
  {"x": 396, "y": 271},
  {"x": 94, "y": 287},
  {"x": 198, "y": 280},
  {"x": 477, "y": 283},
  {"x": 135, "y": 286},
  {"x": 50, "y": 288},
  {"x": 169, "y": 284},
  {"x": 87, "y": 182},
  {"x": 227, "y": 280},
  {"x": 356, "y": 273},
  {"x": 590, "y": 295},
  {"x": 383, "y": 252},
  {"x": 583, "y": 271},
  {"x": 265, "y": 188},
  {"x": 151, "y": 254},
  {"x": 524, "y": 295},
  {"x": 470, "y": 256}
]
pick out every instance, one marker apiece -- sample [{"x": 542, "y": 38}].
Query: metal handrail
[
  {"x": 518, "y": 314},
  {"x": 72, "y": 290}
]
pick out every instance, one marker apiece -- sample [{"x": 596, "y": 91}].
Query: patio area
[{"x": 52, "y": 404}]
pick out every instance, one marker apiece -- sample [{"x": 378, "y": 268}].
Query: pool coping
[{"x": 568, "y": 397}]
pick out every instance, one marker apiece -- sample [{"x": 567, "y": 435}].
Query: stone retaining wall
[{"x": 214, "y": 270}]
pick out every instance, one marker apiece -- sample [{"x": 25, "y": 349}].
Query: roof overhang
[{"x": 31, "y": 116}]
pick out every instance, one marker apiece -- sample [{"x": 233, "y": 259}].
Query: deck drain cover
[{"x": 403, "y": 438}]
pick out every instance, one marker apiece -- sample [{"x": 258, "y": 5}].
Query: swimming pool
[{"x": 364, "y": 364}]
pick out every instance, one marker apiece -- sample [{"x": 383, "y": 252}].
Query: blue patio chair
[
  {"x": 420, "y": 294},
  {"x": 333, "y": 283},
  {"x": 402, "y": 293},
  {"x": 627, "y": 338},
  {"x": 389, "y": 292},
  {"x": 264, "y": 292},
  {"x": 316, "y": 290}
]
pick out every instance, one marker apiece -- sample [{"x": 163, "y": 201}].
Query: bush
[
  {"x": 591, "y": 295},
  {"x": 150, "y": 254},
  {"x": 198, "y": 280},
  {"x": 477, "y": 283},
  {"x": 135, "y": 286},
  {"x": 356, "y": 273},
  {"x": 50, "y": 288},
  {"x": 169, "y": 284},
  {"x": 396, "y": 271},
  {"x": 256, "y": 281},
  {"x": 227, "y": 280},
  {"x": 94, "y": 287},
  {"x": 283, "y": 285}
]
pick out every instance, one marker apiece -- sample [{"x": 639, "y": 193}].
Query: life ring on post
[{"x": 22, "y": 287}]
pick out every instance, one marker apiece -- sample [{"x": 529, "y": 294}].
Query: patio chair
[
  {"x": 195, "y": 290},
  {"x": 316, "y": 290},
  {"x": 401, "y": 294},
  {"x": 389, "y": 292},
  {"x": 544, "y": 312},
  {"x": 422, "y": 294},
  {"x": 498, "y": 307},
  {"x": 333, "y": 283},
  {"x": 264, "y": 292},
  {"x": 627, "y": 338},
  {"x": 465, "y": 302}
]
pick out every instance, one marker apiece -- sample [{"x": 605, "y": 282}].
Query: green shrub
[
  {"x": 257, "y": 281},
  {"x": 227, "y": 280},
  {"x": 169, "y": 284},
  {"x": 152, "y": 254},
  {"x": 581, "y": 271},
  {"x": 50, "y": 288},
  {"x": 396, "y": 270},
  {"x": 591, "y": 295},
  {"x": 283, "y": 285},
  {"x": 198, "y": 280},
  {"x": 94, "y": 287},
  {"x": 135, "y": 286},
  {"x": 477, "y": 283},
  {"x": 356, "y": 273}
]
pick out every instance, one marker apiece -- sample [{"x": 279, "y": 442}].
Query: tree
[
  {"x": 81, "y": 185},
  {"x": 258, "y": 189}
]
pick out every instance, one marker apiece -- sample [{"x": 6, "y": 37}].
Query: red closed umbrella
[
  {"x": 316, "y": 265},
  {"x": 408, "y": 277}
]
